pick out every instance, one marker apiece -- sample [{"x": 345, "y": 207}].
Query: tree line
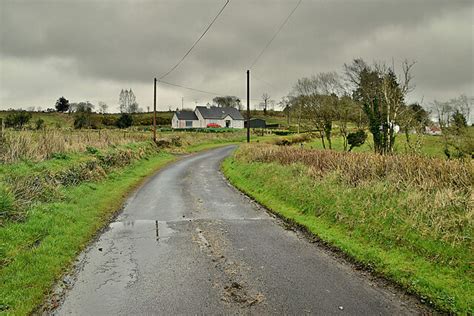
[{"x": 372, "y": 98}]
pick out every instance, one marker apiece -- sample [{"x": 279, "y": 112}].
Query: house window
[{"x": 189, "y": 123}]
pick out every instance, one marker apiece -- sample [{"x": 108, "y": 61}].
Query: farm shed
[{"x": 256, "y": 123}]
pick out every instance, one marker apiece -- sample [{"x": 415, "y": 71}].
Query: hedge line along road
[{"x": 189, "y": 243}]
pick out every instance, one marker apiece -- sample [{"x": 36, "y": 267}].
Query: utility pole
[
  {"x": 182, "y": 103},
  {"x": 154, "y": 111},
  {"x": 248, "y": 106}
]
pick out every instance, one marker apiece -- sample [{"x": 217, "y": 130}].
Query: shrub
[
  {"x": 356, "y": 139},
  {"x": 125, "y": 120},
  {"x": 39, "y": 124},
  {"x": 282, "y": 132},
  {"x": 213, "y": 125},
  {"x": 92, "y": 150},
  {"x": 17, "y": 119},
  {"x": 81, "y": 121}
]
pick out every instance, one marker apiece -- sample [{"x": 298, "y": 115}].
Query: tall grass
[
  {"x": 356, "y": 168},
  {"x": 41, "y": 145},
  {"x": 439, "y": 197}
]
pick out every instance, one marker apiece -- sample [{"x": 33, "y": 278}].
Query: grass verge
[
  {"x": 367, "y": 223},
  {"x": 37, "y": 250}
]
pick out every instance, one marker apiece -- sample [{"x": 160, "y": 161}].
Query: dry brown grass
[
  {"x": 356, "y": 168},
  {"x": 435, "y": 196},
  {"x": 41, "y": 145}
]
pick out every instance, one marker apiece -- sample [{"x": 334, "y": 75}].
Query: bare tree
[
  {"x": 127, "y": 102},
  {"x": 103, "y": 107},
  {"x": 318, "y": 99},
  {"x": 266, "y": 101}
]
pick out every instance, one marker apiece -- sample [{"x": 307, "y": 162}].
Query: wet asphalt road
[{"x": 189, "y": 243}]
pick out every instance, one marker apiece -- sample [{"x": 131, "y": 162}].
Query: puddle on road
[{"x": 138, "y": 229}]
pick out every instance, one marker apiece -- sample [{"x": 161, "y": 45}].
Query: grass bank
[
  {"x": 412, "y": 226},
  {"x": 50, "y": 210}
]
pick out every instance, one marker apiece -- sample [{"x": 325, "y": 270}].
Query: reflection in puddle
[{"x": 146, "y": 229}]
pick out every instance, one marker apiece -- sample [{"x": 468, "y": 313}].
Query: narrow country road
[{"x": 189, "y": 243}]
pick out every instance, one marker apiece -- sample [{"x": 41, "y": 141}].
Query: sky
[{"x": 89, "y": 50}]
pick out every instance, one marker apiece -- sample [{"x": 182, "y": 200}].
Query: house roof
[
  {"x": 214, "y": 112},
  {"x": 186, "y": 115}
]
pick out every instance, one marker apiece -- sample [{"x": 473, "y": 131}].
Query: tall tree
[
  {"x": 127, "y": 102},
  {"x": 228, "y": 101},
  {"x": 62, "y": 105},
  {"x": 382, "y": 95}
]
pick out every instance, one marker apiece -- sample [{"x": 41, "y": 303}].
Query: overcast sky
[{"x": 90, "y": 50}]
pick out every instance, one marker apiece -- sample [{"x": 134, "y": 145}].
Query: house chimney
[{"x": 208, "y": 105}]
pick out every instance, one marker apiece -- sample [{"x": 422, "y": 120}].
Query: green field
[{"x": 414, "y": 228}]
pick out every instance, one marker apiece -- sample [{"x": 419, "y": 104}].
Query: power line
[
  {"x": 189, "y": 88},
  {"x": 276, "y": 34},
  {"x": 199, "y": 90},
  {"x": 197, "y": 41},
  {"x": 263, "y": 81}
]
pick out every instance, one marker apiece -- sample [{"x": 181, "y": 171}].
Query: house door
[{"x": 227, "y": 123}]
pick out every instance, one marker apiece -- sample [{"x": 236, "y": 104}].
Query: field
[
  {"x": 408, "y": 218},
  {"x": 55, "y": 120}
]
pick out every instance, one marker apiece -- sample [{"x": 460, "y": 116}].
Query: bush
[
  {"x": 92, "y": 150},
  {"x": 17, "y": 119},
  {"x": 125, "y": 120},
  {"x": 282, "y": 132},
  {"x": 213, "y": 125},
  {"x": 356, "y": 139},
  {"x": 81, "y": 121},
  {"x": 39, "y": 124}
]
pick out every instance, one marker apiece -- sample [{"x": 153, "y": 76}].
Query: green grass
[
  {"x": 66, "y": 120},
  {"x": 431, "y": 145},
  {"x": 36, "y": 252},
  {"x": 367, "y": 223}
]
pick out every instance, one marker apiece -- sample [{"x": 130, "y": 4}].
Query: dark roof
[
  {"x": 186, "y": 115},
  {"x": 214, "y": 112}
]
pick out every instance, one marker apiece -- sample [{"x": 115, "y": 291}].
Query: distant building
[
  {"x": 433, "y": 130},
  {"x": 203, "y": 116}
]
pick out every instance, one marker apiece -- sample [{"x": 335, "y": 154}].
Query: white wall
[
  {"x": 174, "y": 121},
  {"x": 202, "y": 123}
]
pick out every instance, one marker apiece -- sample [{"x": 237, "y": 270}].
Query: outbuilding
[{"x": 256, "y": 123}]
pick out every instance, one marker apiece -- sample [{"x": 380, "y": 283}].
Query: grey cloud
[{"x": 130, "y": 42}]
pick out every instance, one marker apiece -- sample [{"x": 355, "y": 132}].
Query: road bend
[{"x": 189, "y": 243}]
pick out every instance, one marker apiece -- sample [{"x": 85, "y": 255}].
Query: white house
[{"x": 204, "y": 115}]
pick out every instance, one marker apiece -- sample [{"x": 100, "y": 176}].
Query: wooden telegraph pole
[
  {"x": 154, "y": 111},
  {"x": 248, "y": 106}
]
